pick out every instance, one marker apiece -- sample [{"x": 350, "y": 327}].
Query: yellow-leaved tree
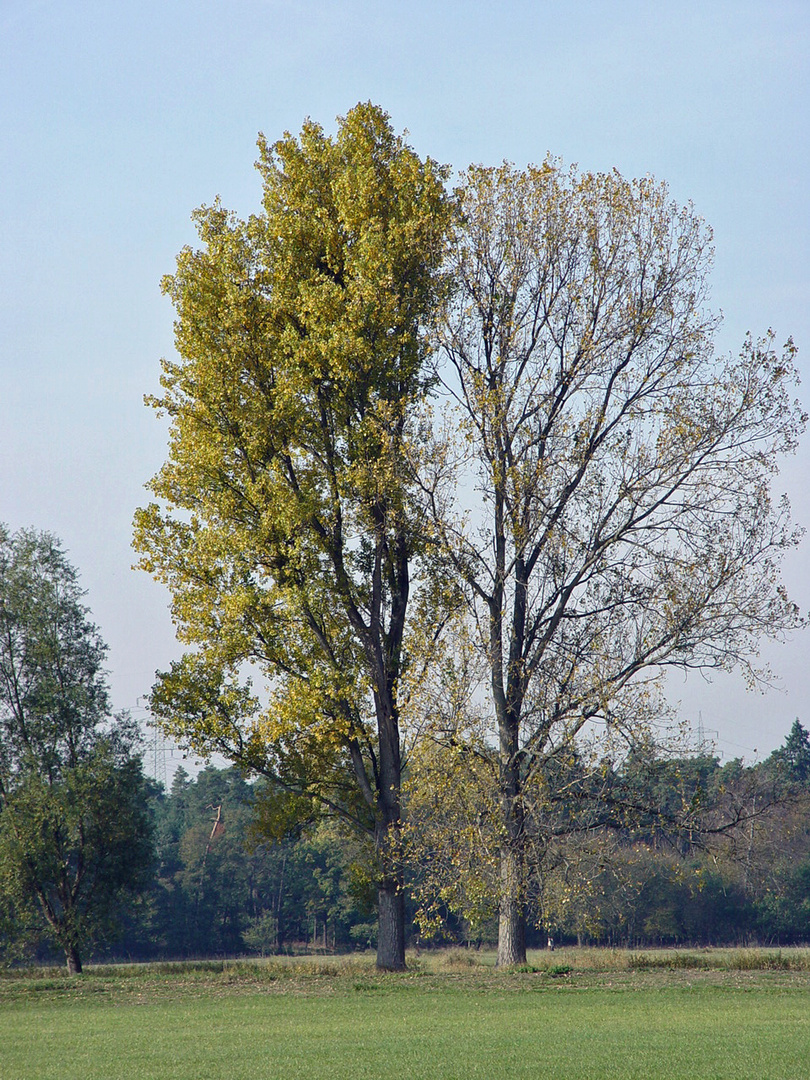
[{"x": 286, "y": 529}]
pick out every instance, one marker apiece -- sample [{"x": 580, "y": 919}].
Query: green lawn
[{"x": 429, "y": 1025}]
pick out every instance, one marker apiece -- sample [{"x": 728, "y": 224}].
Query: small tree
[{"x": 74, "y": 829}]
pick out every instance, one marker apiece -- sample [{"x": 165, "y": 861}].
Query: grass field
[{"x": 584, "y": 1014}]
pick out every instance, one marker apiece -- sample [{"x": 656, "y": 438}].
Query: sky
[{"x": 117, "y": 119}]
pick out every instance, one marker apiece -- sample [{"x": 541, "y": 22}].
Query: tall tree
[
  {"x": 625, "y": 524},
  {"x": 792, "y": 760},
  {"x": 288, "y": 536},
  {"x": 74, "y": 831}
]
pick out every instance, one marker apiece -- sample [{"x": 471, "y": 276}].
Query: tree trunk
[
  {"x": 391, "y": 929},
  {"x": 512, "y": 917},
  {"x": 74, "y": 962},
  {"x": 391, "y": 890},
  {"x": 390, "y": 903}
]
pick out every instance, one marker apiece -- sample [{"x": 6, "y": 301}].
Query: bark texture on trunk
[
  {"x": 512, "y": 917},
  {"x": 391, "y": 928},
  {"x": 391, "y": 895},
  {"x": 74, "y": 962}
]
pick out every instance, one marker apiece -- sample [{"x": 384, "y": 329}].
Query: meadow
[{"x": 569, "y": 1014}]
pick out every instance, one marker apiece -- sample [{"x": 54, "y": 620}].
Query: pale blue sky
[{"x": 118, "y": 118}]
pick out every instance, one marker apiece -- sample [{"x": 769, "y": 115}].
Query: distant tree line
[
  {"x": 723, "y": 856},
  {"x": 662, "y": 876},
  {"x": 221, "y": 886}
]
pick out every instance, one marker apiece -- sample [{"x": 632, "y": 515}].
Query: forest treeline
[{"x": 221, "y": 887}]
